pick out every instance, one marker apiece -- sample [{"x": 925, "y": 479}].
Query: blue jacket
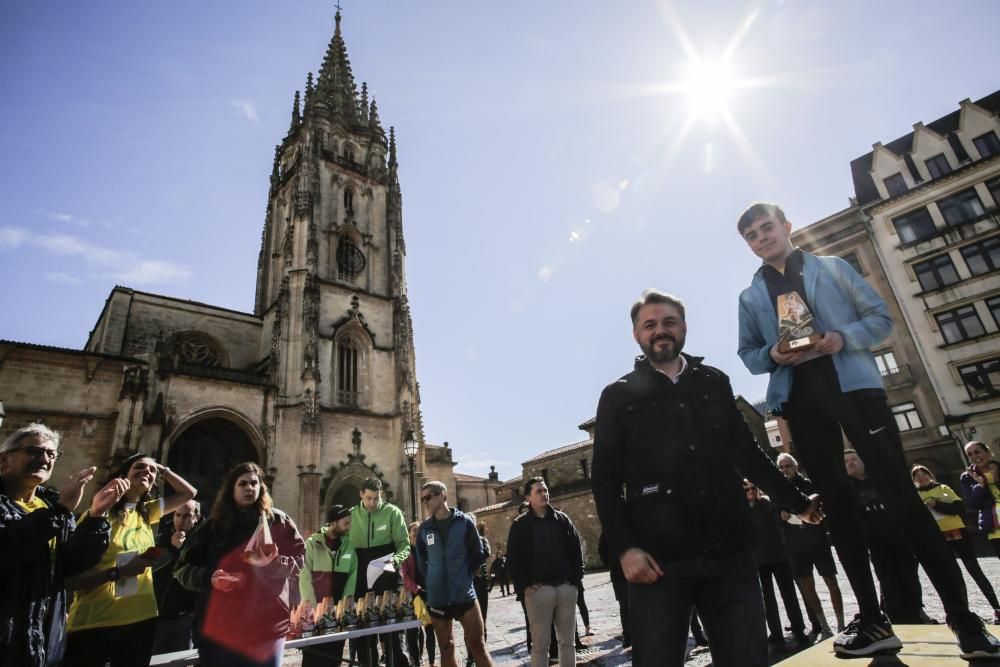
[
  {"x": 841, "y": 301},
  {"x": 447, "y": 562}
]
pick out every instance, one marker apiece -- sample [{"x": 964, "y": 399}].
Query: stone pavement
[{"x": 506, "y": 634}]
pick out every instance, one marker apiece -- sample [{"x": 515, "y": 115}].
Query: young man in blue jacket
[
  {"x": 449, "y": 552},
  {"x": 836, "y": 385}
]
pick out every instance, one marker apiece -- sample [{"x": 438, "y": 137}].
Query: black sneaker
[
  {"x": 974, "y": 640},
  {"x": 863, "y": 637}
]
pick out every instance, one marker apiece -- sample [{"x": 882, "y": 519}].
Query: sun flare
[{"x": 708, "y": 87}]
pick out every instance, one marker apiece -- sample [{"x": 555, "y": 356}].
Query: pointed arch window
[
  {"x": 348, "y": 372},
  {"x": 349, "y": 200}
]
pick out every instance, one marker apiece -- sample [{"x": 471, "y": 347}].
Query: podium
[{"x": 923, "y": 646}]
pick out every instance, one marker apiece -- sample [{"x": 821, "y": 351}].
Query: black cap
[{"x": 336, "y": 513}]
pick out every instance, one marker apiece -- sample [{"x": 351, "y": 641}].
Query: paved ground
[{"x": 506, "y": 635}]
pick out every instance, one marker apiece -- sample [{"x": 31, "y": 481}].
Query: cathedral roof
[{"x": 583, "y": 444}]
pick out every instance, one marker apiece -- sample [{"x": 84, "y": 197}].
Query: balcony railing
[
  {"x": 900, "y": 376},
  {"x": 349, "y": 398}
]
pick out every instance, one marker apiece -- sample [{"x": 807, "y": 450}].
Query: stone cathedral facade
[{"x": 318, "y": 384}]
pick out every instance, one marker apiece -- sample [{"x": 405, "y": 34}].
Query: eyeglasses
[{"x": 38, "y": 452}]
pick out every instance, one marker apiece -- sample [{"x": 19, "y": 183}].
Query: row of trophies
[{"x": 350, "y": 614}]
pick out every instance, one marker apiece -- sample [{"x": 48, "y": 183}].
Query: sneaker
[
  {"x": 863, "y": 637},
  {"x": 974, "y": 640},
  {"x": 996, "y": 617}
]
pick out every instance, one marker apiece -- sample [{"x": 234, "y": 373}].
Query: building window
[
  {"x": 349, "y": 200},
  {"x": 347, "y": 373},
  {"x": 994, "y": 307},
  {"x": 895, "y": 185},
  {"x": 907, "y": 417},
  {"x": 935, "y": 273},
  {"x": 982, "y": 379},
  {"x": 914, "y": 226},
  {"x": 993, "y": 186},
  {"x": 852, "y": 259},
  {"x": 938, "y": 166},
  {"x": 350, "y": 260},
  {"x": 987, "y": 144},
  {"x": 886, "y": 362},
  {"x": 585, "y": 468},
  {"x": 963, "y": 207},
  {"x": 982, "y": 257},
  {"x": 960, "y": 324}
]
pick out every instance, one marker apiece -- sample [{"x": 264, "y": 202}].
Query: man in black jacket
[
  {"x": 174, "y": 603},
  {"x": 670, "y": 433},
  {"x": 546, "y": 564},
  {"x": 41, "y": 545}
]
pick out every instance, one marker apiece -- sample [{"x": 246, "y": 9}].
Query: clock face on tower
[{"x": 350, "y": 259}]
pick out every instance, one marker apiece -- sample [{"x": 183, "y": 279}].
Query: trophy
[
  {"x": 371, "y": 615},
  {"x": 406, "y": 612},
  {"x": 796, "y": 325}
]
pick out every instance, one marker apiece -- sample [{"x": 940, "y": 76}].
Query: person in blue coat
[{"x": 449, "y": 552}]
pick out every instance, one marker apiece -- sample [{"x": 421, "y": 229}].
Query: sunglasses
[{"x": 427, "y": 498}]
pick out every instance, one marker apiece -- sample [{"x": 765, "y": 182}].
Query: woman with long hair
[
  {"x": 947, "y": 508},
  {"x": 239, "y": 562},
  {"x": 113, "y": 615},
  {"x": 981, "y": 490}
]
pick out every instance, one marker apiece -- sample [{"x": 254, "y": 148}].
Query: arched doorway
[
  {"x": 346, "y": 494},
  {"x": 205, "y": 451}
]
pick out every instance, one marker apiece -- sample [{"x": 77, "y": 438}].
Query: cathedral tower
[{"x": 337, "y": 338}]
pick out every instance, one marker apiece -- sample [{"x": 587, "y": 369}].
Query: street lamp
[{"x": 410, "y": 448}]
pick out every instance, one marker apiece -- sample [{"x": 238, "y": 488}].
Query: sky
[{"x": 556, "y": 158}]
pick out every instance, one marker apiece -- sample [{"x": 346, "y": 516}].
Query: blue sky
[{"x": 551, "y": 166}]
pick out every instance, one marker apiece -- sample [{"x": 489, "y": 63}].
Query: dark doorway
[
  {"x": 347, "y": 495},
  {"x": 206, "y": 451}
]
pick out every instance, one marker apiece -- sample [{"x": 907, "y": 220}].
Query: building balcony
[
  {"x": 351, "y": 399},
  {"x": 894, "y": 378},
  {"x": 945, "y": 237}
]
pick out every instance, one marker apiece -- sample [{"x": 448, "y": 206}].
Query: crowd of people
[{"x": 699, "y": 524}]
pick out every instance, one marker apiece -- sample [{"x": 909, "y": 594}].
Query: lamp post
[{"x": 410, "y": 448}]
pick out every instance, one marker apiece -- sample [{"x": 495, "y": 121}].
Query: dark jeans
[
  {"x": 782, "y": 573},
  {"x": 173, "y": 634},
  {"x": 581, "y": 604},
  {"x": 122, "y": 645},
  {"x": 215, "y": 655},
  {"x": 620, "y": 587},
  {"x": 725, "y": 590},
  {"x": 367, "y": 649},
  {"x": 966, "y": 550},
  {"x": 871, "y": 429},
  {"x": 416, "y": 639},
  {"x": 323, "y": 655}
]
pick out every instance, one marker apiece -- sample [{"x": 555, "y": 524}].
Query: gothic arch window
[
  {"x": 192, "y": 347},
  {"x": 349, "y": 200},
  {"x": 350, "y": 153},
  {"x": 350, "y": 260},
  {"x": 351, "y": 346}
]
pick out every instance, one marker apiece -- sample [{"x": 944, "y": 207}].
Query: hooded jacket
[
  {"x": 448, "y": 561},
  {"x": 32, "y": 589},
  {"x": 376, "y": 534},
  {"x": 325, "y": 572}
]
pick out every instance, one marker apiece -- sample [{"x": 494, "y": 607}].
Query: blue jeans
[{"x": 726, "y": 592}]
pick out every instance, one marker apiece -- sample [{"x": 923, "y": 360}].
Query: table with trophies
[{"x": 373, "y": 614}]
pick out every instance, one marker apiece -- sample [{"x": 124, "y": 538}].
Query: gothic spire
[
  {"x": 335, "y": 86},
  {"x": 363, "y": 109},
  {"x": 296, "y": 115},
  {"x": 375, "y": 123},
  {"x": 392, "y": 147}
]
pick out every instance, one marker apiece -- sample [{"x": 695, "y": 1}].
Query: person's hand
[
  {"x": 785, "y": 516},
  {"x": 931, "y": 502},
  {"x": 639, "y": 567},
  {"x": 177, "y": 539},
  {"x": 976, "y": 475},
  {"x": 72, "y": 491},
  {"x": 785, "y": 358},
  {"x": 135, "y": 567},
  {"x": 814, "y": 513},
  {"x": 226, "y": 581},
  {"x": 106, "y": 498},
  {"x": 831, "y": 343}
]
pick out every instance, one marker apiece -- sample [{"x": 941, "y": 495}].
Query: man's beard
[{"x": 665, "y": 354}]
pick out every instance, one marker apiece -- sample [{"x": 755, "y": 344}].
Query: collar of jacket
[
  {"x": 643, "y": 366},
  {"x": 49, "y": 495}
]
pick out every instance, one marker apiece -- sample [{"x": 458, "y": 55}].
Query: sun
[{"x": 708, "y": 87}]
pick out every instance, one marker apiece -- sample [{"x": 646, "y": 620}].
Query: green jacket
[
  {"x": 325, "y": 573},
  {"x": 376, "y": 534}
]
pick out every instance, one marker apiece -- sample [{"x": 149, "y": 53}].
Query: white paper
[
  {"x": 378, "y": 567},
  {"x": 126, "y": 586}
]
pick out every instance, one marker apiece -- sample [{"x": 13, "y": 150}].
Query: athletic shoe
[
  {"x": 863, "y": 637},
  {"x": 974, "y": 640}
]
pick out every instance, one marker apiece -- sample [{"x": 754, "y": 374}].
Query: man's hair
[
  {"x": 371, "y": 484},
  {"x": 531, "y": 482},
  {"x": 758, "y": 210},
  {"x": 523, "y": 506},
  {"x": 785, "y": 456},
  {"x": 437, "y": 488},
  {"x": 655, "y": 296},
  {"x": 196, "y": 507},
  {"x": 41, "y": 430},
  {"x": 852, "y": 451}
]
